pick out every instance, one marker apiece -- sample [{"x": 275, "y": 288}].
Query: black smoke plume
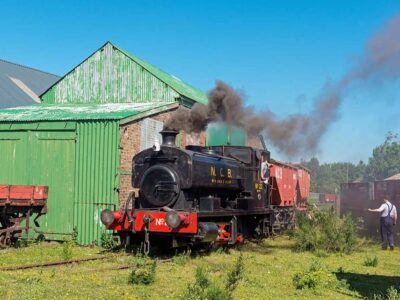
[{"x": 298, "y": 134}]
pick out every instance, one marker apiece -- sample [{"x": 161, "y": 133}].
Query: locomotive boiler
[{"x": 215, "y": 195}]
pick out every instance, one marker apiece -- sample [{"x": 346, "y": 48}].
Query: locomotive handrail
[{"x": 163, "y": 159}]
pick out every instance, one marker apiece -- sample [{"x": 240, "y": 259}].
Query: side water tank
[{"x": 219, "y": 133}]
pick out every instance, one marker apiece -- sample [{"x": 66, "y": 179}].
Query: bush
[
  {"x": 314, "y": 278},
  {"x": 322, "y": 230},
  {"x": 182, "y": 258},
  {"x": 67, "y": 249},
  {"x": 235, "y": 275},
  {"x": 371, "y": 262},
  {"x": 203, "y": 289},
  {"x": 144, "y": 274},
  {"x": 107, "y": 241},
  {"x": 74, "y": 236},
  {"x": 391, "y": 294}
]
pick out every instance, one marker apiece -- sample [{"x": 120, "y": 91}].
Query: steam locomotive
[{"x": 206, "y": 195}]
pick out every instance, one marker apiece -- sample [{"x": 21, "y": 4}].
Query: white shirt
[{"x": 384, "y": 209}]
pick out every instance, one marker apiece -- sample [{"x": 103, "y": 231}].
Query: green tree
[
  {"x": 385, "y": 160},
  {"x": 327, "y": 178}
]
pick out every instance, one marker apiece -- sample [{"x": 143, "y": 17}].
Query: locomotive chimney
[{"x": 168, "y": 137}]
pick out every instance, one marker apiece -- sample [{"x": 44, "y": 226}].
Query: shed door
[
  {"x": 53, "y": 164},
  {"x": 43, "y": 158}
]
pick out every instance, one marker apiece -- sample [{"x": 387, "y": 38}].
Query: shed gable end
[{"x": 109, "y": 76}]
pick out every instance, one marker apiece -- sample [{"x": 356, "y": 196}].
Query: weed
[
  {"x": 182, "y": 258},
  {"x": 107, "y": 241},
  {"x": 371, "y": 262},
  {"x": 340, "y": 270},
  {"x": 74, "y": 236},
  {"x": 391, "y": 294},
  {"x": 203, "y": 289},
  {"x": 200, "y": 288},
  {"x": 20, "y": 243},
  {"x": 40, "y": 238},
  {"x": 323, "y": 230},
  {"x": 321, "y": 253},
  {"x": 67, "y": 249},
  {"x": 144, "y": 274},
  {"x": 235, "y": 275},
  {"x": 314, "y": 278}
]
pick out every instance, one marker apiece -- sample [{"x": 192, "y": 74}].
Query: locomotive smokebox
[{"x": 168, "y": 137}]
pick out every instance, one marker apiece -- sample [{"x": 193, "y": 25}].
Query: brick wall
[{"x": 130, "y": 145}]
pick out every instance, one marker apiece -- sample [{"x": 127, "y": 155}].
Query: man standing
[{"x": 388, "y": 220}]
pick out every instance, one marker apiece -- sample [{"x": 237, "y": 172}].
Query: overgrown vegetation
[
  {"x": 204, "y": 289},
  {"x": 270, "y": 266},
  {"x": 323, "y": 231},
  {"x": 371, "y": 261},
  {"x": 107, "y": 241},
  {"x": 314, "y": 278},
  {"x": 391, "y": 294},
  {"x": 67, "y": 249},
  {"x": 182, "y": 258},
  {"x": 143, "y": 274},
  {"x": 74, "y": 236}
]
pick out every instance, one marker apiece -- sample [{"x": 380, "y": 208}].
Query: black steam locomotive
[{"x": 216, "y": 195}]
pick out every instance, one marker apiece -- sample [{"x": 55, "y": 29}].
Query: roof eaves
[
  {"x": 201, "y": 97},
  {"x": 149, "y": 113},
  {"x": 54, "y": 113},
  {"x": 27, "y": 67}
]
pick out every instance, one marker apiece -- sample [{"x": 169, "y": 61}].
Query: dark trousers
[{"x": 387, "y": 233}]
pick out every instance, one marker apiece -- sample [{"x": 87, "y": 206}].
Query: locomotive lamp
[
  {"x": 173, "y": 219},
  {"x": 107, "y": 217}
]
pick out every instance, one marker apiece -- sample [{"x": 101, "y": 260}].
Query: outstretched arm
[{"x": 380, "y": 209}]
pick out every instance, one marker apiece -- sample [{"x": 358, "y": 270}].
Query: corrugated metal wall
[
  {"x": 96, "y": 182},
  {"x": 30, "y": 155},
  {"x": 109, "y": 76}
]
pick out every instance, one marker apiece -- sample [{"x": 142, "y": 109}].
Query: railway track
[
  {"x": 53, "y": 264},
  {"x": 75, "y": 262}
]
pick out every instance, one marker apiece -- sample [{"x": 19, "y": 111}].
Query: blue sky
[{"x": 279, "y": 53}]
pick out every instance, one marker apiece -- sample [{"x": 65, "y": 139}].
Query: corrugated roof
[
  {"x": 394, "y": 177},
  {"x": 181, "y": 87},
  {"x": 68, "y": 112},
  {"x": 17, "y": 83}
]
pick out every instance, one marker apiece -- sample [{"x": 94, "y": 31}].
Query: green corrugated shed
[
  {"x": 70, "y": 142},
  {"x": 73, "y": 150}
]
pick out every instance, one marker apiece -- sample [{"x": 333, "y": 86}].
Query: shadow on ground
[{"x": 368, "y": 285}]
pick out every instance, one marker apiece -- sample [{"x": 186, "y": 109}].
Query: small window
[{"x": 149, "y": 133}]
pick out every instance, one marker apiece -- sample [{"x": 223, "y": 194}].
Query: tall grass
[
  {"x": 204, "y": 289},
  {"x": 322, "y": 230}
]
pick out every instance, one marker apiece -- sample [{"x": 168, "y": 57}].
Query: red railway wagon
[
  {"x": 324, "y": 198},
  {"x": 17, "y": 204},
  {"x": 290, "y": 188},
  {"x": 303, "y": 186},
  {"x": 290, "y": 184},
  {"x": 283, "y": 184}
]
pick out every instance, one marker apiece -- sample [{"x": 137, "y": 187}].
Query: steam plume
[{"x": 299, "y": 133}]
